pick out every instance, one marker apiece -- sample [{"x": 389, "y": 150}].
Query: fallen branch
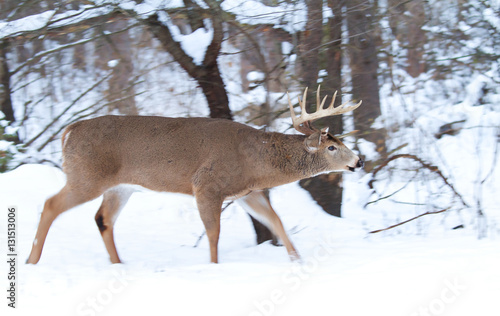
[{"x": 409, "y": 220}]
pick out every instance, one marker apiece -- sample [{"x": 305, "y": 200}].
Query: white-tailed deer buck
[{"x": 212, "y": 159}]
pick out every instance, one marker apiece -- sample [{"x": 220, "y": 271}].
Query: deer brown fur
[{"x": 212, "y": 159}]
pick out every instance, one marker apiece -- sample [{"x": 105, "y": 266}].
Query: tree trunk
[
  {"x": 310, "y": 44},
  {"x": 326, "y": 189},
  {"x": 406, "y": 20},
  {"x": 364, "y": 65},
  {"x": 395, "y": 13},
  {"x": 116, "y": 48},
  {"x": 416, "y": 38},
  {"x": 5, "y": 91},
  {"x": 213, "y": 88},
  {"x": 209, "y": 79}
]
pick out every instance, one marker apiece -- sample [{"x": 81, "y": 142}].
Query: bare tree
[
  {"x": 5, "y": 89},
  {"x": 310, "y": 43},
  {"x": 406, "y": 20},
  {"x": 207, "y": 74},
  {"x": 114, "y": 54},
  {"x": 326, "y": 189}
]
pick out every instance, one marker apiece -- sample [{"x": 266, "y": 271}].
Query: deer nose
[{"x": 360, "y": 163}]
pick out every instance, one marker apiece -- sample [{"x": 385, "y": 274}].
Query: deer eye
[{"x": 331, "y": 148}]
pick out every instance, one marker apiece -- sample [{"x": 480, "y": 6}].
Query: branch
[
  {"x": 76, "y": 116},
  {"x": 425, "y": 165},
  {"x": 31, "y": 141},
  {"x": 213, "y": 50},
  {"x": 393, "y": 193},
  {"x": 39, "y": 55},
  {"x": 409, "y": 220},
  {"x": 162, "y": 33},
  {"x": 56, "y": 26},
  {"x": 256, "y": 47}
]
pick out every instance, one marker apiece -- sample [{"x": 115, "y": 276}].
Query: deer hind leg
[
  {"x": 67, "y": 198},
  {"x": 113, "y": 202},
  {"x": 258, "y": 205},
  {"x": 210, "y": 208}
]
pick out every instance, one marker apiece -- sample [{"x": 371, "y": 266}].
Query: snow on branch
[
  {"x": 288, "y": 16},
  {"x": 51, "y": 19}
]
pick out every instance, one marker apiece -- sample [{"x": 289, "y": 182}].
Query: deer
[{"x": 212, "y": 159}]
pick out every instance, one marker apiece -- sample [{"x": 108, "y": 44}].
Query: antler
[{"x": 303, "y": 122}]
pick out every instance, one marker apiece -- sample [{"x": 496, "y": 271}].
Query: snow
[
  {"x": 28, "y": 23},
  {"x": 4, "y": 145},
  {"x": 343, "y": 271},
  {"x": 255, "y": 76},
  {"x": 194, "y": 44},
  {"x": 50, "y": 19},
  {"x": 288, "y": 16},
  {"x": 113, "y": 63}
]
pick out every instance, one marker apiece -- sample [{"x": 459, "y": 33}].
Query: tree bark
[
  {"x": 326, "y": 189},
  {"x": 5, "y": 91},
  {"x": 416, "y": 38},
  {"x": 116, "y": 47},
  {"x": 364, "y": 65},
  {"x": 333, "y": 61},
  {"x": 310, "y": 44},
  {"x": 395, "y": 13},
  {"x": 406, "y": 20}
]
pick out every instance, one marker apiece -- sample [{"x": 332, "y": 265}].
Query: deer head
[{"x": 338, "y": 156}]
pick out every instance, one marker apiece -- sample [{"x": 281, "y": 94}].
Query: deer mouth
[{"x": 359, "y": 164}]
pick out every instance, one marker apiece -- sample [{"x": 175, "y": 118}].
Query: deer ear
[
  {"x": 324, "y": 134},
  {"x": 313, "y": 141}
]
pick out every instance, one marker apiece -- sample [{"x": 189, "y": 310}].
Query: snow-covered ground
[{"x": 344, "y": 271}]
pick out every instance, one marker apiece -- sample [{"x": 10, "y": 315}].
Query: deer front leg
[
  {"x": 210, "y": 206},
  {"x": 258, "y": 204}
]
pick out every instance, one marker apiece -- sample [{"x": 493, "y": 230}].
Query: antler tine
[
  {"x": 303, "y": 102},
  {"x": 341, "y": 109},
  {"x": 319, "y": 105},
  {"x": 317, "y": 97},
  {"x": 331, "y": 106},
  {"x": 299, "y": 123}
]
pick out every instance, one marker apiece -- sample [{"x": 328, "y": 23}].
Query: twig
[
  {"x": 56, "y": 119},
  {"x": 409, "y": 220},
  {"x": 47, "y": 52},
  {"x": 432, "y": 168},
  {"x": 393, "y": 193}
]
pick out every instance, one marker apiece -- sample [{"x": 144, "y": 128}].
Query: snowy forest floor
[{"x": 344, "y": 269}]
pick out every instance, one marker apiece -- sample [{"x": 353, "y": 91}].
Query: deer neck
[{"x": 287, "y": 160}]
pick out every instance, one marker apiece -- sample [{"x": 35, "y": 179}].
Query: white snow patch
[
  {"x": 113, "y": 63},
  {"x": 455, "y": 273}
]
